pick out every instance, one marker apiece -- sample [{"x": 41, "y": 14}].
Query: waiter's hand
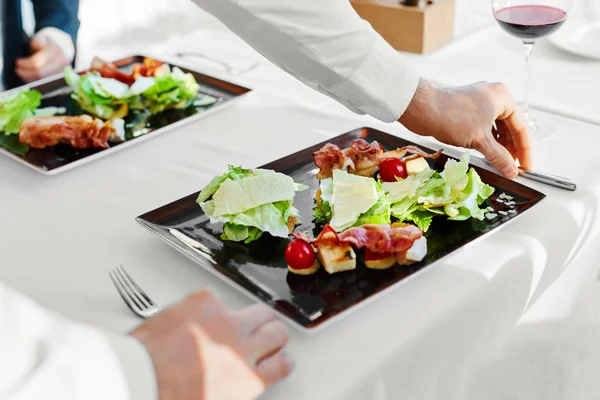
[
  {"x": 464, "y": 117},
  {"x": 202, "y": 351},
  {"x": 46, "y": 59}
]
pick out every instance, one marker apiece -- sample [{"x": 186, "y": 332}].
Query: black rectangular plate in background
[
  {"x": 260, "y": 267},
  {"x": 57, "y": 93}
]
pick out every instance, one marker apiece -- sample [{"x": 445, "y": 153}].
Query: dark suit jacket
[{"x": 61, "y": 14}]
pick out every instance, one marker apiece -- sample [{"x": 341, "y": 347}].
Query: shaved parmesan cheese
[{"x": 418, "y": 251}]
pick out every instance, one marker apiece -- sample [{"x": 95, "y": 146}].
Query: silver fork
[{"x": 133, "y": 295}]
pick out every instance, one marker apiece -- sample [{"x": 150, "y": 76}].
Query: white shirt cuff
[
  {"x": 62, "y": 39},
  {"x": 138, "y": 366},
  {"x": 383, "y": 86}
]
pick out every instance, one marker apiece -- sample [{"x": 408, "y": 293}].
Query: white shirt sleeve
[
  {"x": 326, "y": 45},
  {"x": 62, "y": 39},
  {"x": 44, "y": 356}
]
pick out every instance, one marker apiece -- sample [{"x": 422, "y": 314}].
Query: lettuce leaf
[
  {"x": 471, "y": 198},
  {"x": 173, "y": 90},
  {"x": 102, "y": 97},
  {"x": 50, "y": 111},
  {"x": 250, "y": 224},
  {"x": 16, "y": 108},
  {"x": 408, "y": 188},
  {"x": 378, "y": 214},
  {"x": 324, "y": 214},
  {"x": 233, "y": 173},
  {"x": 457, "y": 193},
  {"x": 239, "y": 233},
  {"x": 422, "y": 218},
  {"x": 11, "y": 143}
]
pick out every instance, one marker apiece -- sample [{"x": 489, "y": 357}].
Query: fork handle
[{"x": 557, "y": 181}]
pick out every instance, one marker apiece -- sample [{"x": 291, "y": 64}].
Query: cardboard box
[{"x": 410, "y": 28}]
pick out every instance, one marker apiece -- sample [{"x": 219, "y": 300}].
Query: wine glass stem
[{"x": 528, "y": 48}]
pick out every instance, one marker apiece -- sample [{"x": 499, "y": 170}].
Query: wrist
[
  {"x": 137, "y": 365},
  {"x": 423, "y": 114},
  {"x": 62, "y": 39}
]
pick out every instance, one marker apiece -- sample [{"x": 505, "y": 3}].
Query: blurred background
[
  {"x": 478, "y": 51},
  {"x": 111, "y": 28}
]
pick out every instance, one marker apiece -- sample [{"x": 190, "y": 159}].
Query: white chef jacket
[{"x": 323, "y": 43}]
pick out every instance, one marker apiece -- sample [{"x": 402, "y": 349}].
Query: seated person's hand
[
  {"x": 47, "y": 59},
  {"x": 464, "y": 117},
  {"x": 201, "y": 351}
]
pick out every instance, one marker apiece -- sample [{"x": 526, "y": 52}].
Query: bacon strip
[
  {"x": 81, "y": 132},
  {"x": 364, "y": 156},
  {"x": 375, "y": 238},
  {"x": 413, "y": 150},
  {"x": 361, "y": 158},
  {"x": 328, "y": 158},
  {"x": 147, "y": 68},
  {"x": 110, "y": 70}
]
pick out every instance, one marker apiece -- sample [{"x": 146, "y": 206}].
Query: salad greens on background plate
[{"x": 149, "y": 107}]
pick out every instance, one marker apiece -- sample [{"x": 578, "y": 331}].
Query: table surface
[{"x": 494, "y": 308}]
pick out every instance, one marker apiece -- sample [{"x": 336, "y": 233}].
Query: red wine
[{"x": 530, "y": 22}]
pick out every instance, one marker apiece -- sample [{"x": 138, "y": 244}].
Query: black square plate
[
  {"x": 260, "y": 269},
  {"x": 56, "y": 93}
]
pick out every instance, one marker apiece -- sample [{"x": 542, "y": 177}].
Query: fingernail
[{"x": 510, "y": 170}]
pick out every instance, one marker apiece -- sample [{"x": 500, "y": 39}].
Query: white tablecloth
[{"x": 445, "y": 334}]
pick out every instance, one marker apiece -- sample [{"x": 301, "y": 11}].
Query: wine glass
[{"x": 530, "y": 20}]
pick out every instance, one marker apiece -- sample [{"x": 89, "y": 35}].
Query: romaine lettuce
[
  {"x": 250, "y": 224},
  {"x": 233, "y": 173},
  {"x": 457, "y": 192},
  {"x": 379, "y": 213},
  {"x": 104, "y": 98},
  {"x": 266, "y": 218},
  {"x": 16, "y": 108},
  {"x": 173, "y": 90}
]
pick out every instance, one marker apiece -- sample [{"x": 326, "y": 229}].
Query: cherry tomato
[
  {"x": 391, "y": 169},
  {"x": 372, "y": 256},
  {"x": 299, "y": 254}
]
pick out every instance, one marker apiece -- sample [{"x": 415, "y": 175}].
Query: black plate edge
[
  {"x": 184, "y": 249},
  {"x": 309, "y": 327}
]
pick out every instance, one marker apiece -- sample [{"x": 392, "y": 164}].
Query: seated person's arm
[
  {"x": 196, "y": 349},
  {"x": 54, "y": 42},
  {"x": 45, "y": 356}
]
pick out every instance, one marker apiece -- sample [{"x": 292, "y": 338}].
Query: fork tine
[
  {"x": 130, "y": 290},
  {"x": 140, "y": 290},
  {"x": 130, "y": 303}
]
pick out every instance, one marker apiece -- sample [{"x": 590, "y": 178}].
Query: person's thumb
[
  {"x": 38, "y": 43},
  {"x": 499, "y": 157}
]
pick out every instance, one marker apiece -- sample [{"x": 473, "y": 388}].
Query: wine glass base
[{"x": 541, "y": 129}]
